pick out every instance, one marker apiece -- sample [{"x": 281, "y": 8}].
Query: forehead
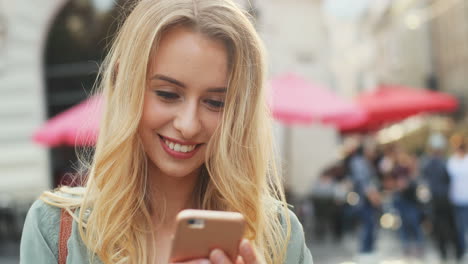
[{"x": 186, "y": 55}]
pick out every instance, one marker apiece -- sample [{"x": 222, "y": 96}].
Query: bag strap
[{"x": 66, "y": 221}]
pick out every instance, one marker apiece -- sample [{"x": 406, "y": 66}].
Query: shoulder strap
[{"x": 66, "y": 221}]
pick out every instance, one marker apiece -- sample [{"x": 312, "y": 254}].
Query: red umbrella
[
  {"x": 78, "y": 125},
  {"x": 295, "y": 101},
  {"x": 391, "y": 103}
]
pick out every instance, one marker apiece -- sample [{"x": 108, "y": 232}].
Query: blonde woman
[{"x": 185, "y": 125}]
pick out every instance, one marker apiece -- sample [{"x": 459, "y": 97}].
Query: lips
[{"x": 178, "y": 149}]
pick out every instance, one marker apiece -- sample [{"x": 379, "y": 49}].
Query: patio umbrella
[
  {"x": 391, "y": 103},
  {"x": 78, "y": 125},
  {"x": 296, "y": 101}
]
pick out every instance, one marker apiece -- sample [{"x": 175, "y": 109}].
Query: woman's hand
[{"x": 247, "y": 255}]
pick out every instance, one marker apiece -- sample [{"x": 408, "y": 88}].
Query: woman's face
[{"x": 184, "y": 99}]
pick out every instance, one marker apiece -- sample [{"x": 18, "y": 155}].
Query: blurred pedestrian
[
  {"x": 407, "y": 202},
  {"x": 434, "y": 171},
  {"x": 386, "y": 165},
  {"x": 329, "y": 199},
  {"x": 322, "y": 197},
  {"x": 366, "y": 184},
  {"x": 457, "y": 167}
]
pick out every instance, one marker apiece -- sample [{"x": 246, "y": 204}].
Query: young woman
[{"x": 185, "y": 125}]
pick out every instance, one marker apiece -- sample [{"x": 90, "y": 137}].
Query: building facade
[
  {"x": 50, "y": 52},
  {"x": 24, "y": 165},
  {"x": 449, "y": 36}
]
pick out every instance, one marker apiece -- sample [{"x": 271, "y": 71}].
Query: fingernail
[
  {"x": 217, "y": 255},
  {"x": 204, "y": 261},
  {"x": 245, "y": 244}
]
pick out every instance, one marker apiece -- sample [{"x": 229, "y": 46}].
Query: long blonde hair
[{"x": 239, "y": 173}]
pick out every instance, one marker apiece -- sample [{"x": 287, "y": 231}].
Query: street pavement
[
  {"x": 388, "y": 251},
  {"x": 9, "y": 252}
]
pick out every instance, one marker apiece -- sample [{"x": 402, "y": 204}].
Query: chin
[
  {"x": 179, "y": 171},
  {"x": 180, "y": 174}
]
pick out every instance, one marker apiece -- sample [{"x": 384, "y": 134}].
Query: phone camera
[{"x": 196, "y": 223}]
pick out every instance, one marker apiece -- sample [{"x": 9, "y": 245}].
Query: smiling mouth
[{"x": 179, "y": 147}]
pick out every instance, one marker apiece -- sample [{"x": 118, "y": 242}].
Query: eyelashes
[
  {"x": 170, "y": 97},
  {"x": 167, "y": 95},
  {"x": 215, "y": 103}
]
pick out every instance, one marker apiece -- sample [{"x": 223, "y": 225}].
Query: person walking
[
  {"x": 434, "y": 172},
  {"x": 457, "y": 167},
  {"x": 365, "y": 180},
  {"x": 407, "y": 203}
]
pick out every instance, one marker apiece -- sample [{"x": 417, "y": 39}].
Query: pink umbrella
[
  {"x": 295, "y": 101},
  {"x": 78, "y": 125}
]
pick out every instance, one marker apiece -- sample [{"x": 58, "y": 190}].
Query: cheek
[
  {"x": 155, "y": 115},
  {"x": 212, "y": 121}
]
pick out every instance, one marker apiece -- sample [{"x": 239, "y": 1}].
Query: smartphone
[{"x": 200, "y": 231}]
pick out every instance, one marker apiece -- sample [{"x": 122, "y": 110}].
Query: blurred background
[{"x": 369, "y": 99}]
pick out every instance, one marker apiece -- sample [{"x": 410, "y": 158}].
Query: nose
[{"x": 187, "y": 120}]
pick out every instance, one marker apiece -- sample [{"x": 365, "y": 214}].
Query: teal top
[{"x": 39, "y": 242}]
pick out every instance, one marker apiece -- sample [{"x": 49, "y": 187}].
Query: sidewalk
[
  {"x": 388, "y": 251},
  {"x": 9, "y": 252}
]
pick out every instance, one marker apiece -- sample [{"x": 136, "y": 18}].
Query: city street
[
  {"x": 389, "y": 252},
  {"x": 9, "y": 252}
]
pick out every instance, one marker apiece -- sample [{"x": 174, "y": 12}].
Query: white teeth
[{"x": 179, "y": 148}]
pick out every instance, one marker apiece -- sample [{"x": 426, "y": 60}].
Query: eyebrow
[{"x": 181, "y": 84}]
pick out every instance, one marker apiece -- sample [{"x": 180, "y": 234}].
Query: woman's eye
[
  {"x": 167, "y": 95},
  {"x": 214, "y": 104}
]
